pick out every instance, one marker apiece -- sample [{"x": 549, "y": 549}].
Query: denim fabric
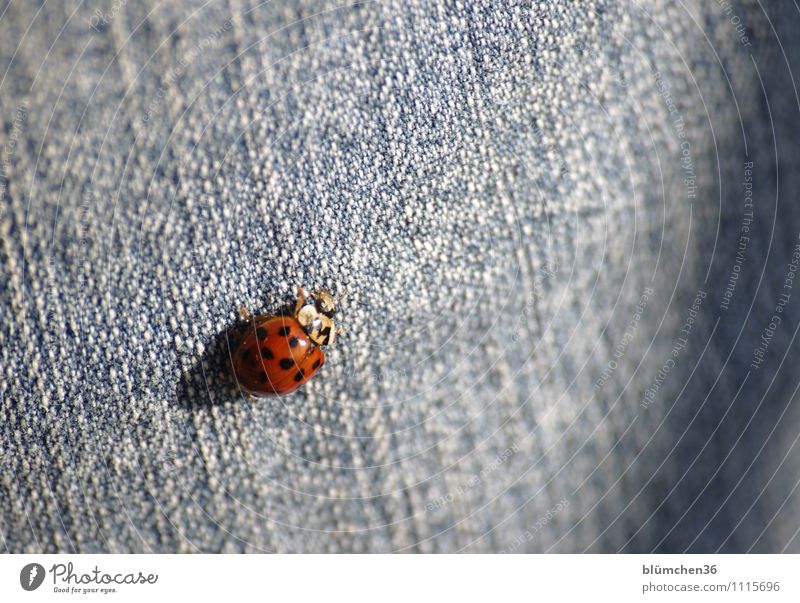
[{"x": 538, "y": 213}]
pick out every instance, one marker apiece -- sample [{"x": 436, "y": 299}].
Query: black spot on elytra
[
  {"x": 316, "y": 364},
  {"x": 300, "y": 374},
  {"x": 293, "y": 342},
  {"x": 261, "y": 333},
  {"x": 244, "y": 353},
  {"x": 267, "y": 353},
  {"x": 284, "y": 331},
  {"x": 262, "y": 377},
  {"x": 286, "y": 363}
]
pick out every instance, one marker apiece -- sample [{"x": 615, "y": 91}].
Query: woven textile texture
[{"x": 561, "y": 230}]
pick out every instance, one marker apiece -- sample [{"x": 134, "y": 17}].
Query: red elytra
[{"x": 275, "y": 356}]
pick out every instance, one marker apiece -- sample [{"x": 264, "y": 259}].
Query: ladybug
[{"x": 278, "y": 354}]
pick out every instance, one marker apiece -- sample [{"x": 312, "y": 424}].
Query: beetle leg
[{"x": 301, "y": 300}]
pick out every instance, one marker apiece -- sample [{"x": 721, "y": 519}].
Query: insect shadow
[{"x": 209, "y": 381}]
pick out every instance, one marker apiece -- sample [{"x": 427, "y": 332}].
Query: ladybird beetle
[{"x": 278, "y": 354}]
